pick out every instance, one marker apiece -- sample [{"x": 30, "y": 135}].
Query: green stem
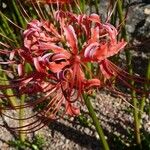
[
  {"x": 7, "y": 29},
  {"x": 82, "y": 6},
  {"x": 22, "y": 134},
  {"x": 146, "y": 88},
  {"x": 136, "y": 120},
  {"x": 20, "y": 17},
  {"x": 114, "y": 14},
  {"x": 8, "y": 91},
  {"x": 128, "y": 59},
  {"x": 96, "y": 122},
  {"x": 97, "y": 6},
  {"x": 148, "y": 85},
  {"x": 122, "y": 21}
]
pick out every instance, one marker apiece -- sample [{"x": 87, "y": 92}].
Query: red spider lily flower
[{"x": 59, "y": 57}]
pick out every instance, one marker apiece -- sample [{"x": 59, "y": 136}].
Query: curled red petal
[
  {"x": 54, "y": 48},
  {"x": 90, "y": 50},
  {"x": 92, "y": 83},
  {"x": 20, "y": 69},
  {"x": 112, "y": 31},
  {"x": 71, "y": 38},
  {"x": 72, "y": 110},
  {"x": 36, "y": 61},
  {"x": 54, "y": 67}
]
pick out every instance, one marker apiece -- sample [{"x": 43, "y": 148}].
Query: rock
[
  {"x": 147, "y": 11},
  {"x": 138, "y": 21}
]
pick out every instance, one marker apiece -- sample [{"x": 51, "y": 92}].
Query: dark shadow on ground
[
  {"x": 86, "y": 140},
  {"x": 78, "y": 137}
]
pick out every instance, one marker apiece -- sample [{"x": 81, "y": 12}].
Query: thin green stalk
[
  {"x": 9, "y": 42},
  {"x": 9, "y": 91},
  {"x": 114, "y": 15},
  {"x": 97, "y": 6},
  {"x": 7, "y": 29},
  {"x": 146, "y": 87},
  {"x": 82, "y": 6},
  {"x": 22, "y": 134},
  {"x": 20, "y": 18},
  {"x": 128, "y": 59},
  {"x": 114, "y": 22},
  {"x": 122, "y": 21},
  {"x": 136, "y": 120},
  {"x": 96, "y": 122},
  {"x": 90, "y": 67}
]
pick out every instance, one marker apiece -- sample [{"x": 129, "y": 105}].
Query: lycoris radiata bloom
[{"x": 60, "y": 53}]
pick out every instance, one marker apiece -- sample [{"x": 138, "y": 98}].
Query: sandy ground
[{"x": 72, "y": 134}]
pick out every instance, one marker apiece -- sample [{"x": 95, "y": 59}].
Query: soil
[{"x": 73, "y": 134}]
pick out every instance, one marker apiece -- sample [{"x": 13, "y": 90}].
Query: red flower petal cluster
[{"x": 59, "y": 54}]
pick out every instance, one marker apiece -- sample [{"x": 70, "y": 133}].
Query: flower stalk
[
  {"x": 22, "y": 134},
  {"x": 96, "y": 122},
  {"x": 17, "y": 11},
  {"x": 129, "y": 59},
  {"x": 97, "y": 6},
  {"x": 146, "y": 87},
  {"x": 4, "y": 81}
]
